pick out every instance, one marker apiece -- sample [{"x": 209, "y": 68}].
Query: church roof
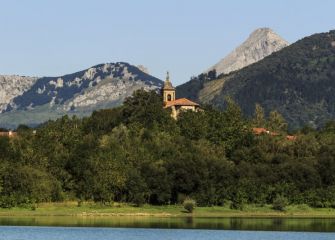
[
  {"x": 168, "y": 85},
  {"x": 181, "y": 102}
]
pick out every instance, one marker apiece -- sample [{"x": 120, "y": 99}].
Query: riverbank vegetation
[
  {"x": 71, "y": 208},
  {"x": 137, "y": 154}
]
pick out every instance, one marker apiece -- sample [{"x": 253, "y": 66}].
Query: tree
[
  {"x": 193, "y": 125},
  {"x": 280, "y": 203},
  {"x": 189, "y": 205},
  {"x": 277, "y": 122},
  {"x": 259, "y": 117},
  {"x": 212, "y": 74},
  {"x": 102, "y": 121},
  {"x": 146, "y": 108},
  {"x": 326, "y": 165}
]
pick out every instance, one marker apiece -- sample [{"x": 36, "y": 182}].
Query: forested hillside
[
  {"x": 138, "y": 154},
  {"x": 298, "y": 81}
]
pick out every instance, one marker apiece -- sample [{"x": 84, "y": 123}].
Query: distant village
[{"x": 183, "y": 104}]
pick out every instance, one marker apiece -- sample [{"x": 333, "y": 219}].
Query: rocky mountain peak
[
  {"x": 32, "y": 101},
  {"x": 12, "y": 86},
  {"x": 261, "y": 43}
]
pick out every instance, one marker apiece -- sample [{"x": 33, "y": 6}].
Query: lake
[
  {"x": 93, "y": 233},
  {"x": 225, "y": 223},
  {"x": 147, "y": 228}
]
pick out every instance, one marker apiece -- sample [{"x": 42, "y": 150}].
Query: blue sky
[{"x": 51, "y": 38}]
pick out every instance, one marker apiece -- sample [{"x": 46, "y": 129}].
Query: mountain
[
  {"x": 261, "y": 43},
  {"x": 80, "y": 93},
  {"x": 13, "y": 86},
  {"x": 298, "y": 81}
]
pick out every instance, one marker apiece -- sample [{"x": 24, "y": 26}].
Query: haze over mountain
[
  {"x": 298, "y": 81},
  {"x": 35, "y": 100},
  {"x": 261, "y": 43}
]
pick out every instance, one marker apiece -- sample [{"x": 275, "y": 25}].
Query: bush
[
  {"x": 303, "y": 207},
  {"x": 238, "y": 201},
  {"x": 238, "y": 205},
  {"x": 138, "y": 199},
  {"x": 189, "y": 205},
  {"x": 33, "y": 207},
  {"x": 80, "y": 203},
  {"x": 280, "y": 203},
  {"x": 7, "y": 201}
]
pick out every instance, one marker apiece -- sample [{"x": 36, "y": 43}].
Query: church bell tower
[{"x": 169, "y": 92}]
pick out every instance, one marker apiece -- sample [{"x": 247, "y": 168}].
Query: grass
[{"x": 119, "y": 209}]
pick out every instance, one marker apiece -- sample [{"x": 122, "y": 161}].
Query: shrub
[
  {"x": 189, "y": 205},
  {"x": 7, "y": 201},
  {"x": 303, "y": 207},
  {"x": 237, "y": 205},
  {"x": 238, "y": 202},
  {"x": 33, "y": 207},
  {"x": 280, "y": 203},
  {"x": 80, "y": 203},
  {"x": 138, "y": 199}
]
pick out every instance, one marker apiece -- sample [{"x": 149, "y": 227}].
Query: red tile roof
[
  {"x": 291, "y": 138},
  {"x": 259, "y": 131},
  {"x": 180, "y": 102}
]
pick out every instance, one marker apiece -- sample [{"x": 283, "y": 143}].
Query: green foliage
[
  {"x": 259, "y": 117},
  {"x": 277, "y": 122},
  {"x": 189, "y": 205},
  {"x": 138, "y": 154},
  {"x": 145, "y": 108},
  {"x": 280, "y": 203},
  {"x": 297, "y": 81}
]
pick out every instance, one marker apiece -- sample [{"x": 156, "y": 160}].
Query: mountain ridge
[
  {"x": 260, "y": 43},
  {"x": 100, "y": 86},
  {"x": 298, "y": 81}
]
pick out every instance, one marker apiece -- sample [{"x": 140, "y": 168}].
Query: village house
[
  {"x": 176, "y": 105},
  {"x": 260, "y": 131},
  {"x": 9, "y": 134}
]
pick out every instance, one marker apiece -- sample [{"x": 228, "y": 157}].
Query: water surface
[
  {"x": 84, "y": 233},
  {"x": 258, "y": 224}
]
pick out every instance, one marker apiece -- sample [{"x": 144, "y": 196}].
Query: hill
[
  {"x": 80, "y": 93},
  {"x": 298, "y": 81}
]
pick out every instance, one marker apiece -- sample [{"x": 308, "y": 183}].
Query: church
[{"x": 176, "y": 105}]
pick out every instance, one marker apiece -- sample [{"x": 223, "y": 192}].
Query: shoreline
[{"x": 70, "y": 209}]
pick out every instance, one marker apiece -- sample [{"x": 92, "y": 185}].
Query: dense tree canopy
[{"x": 138, "y": 154}]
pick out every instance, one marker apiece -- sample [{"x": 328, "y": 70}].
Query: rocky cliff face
[
  {"x": 12, "y": 86},
  {"x": 261, "y": 43},
  {"x": 101, "y": 86}
]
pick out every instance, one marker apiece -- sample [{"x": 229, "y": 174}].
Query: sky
[{"x": 57, "y": 37}]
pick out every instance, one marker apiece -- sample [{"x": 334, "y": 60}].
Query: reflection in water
[{"x": 268, "y": 224}]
